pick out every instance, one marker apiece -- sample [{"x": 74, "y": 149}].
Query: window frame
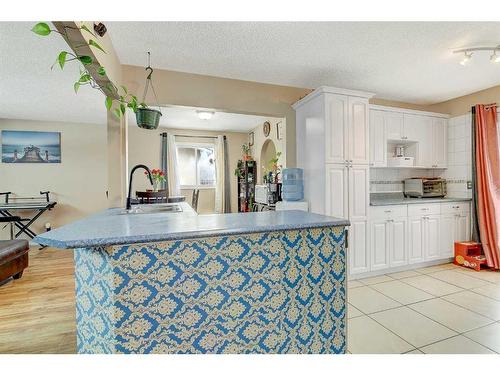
[{"x": 196, "y": 146}]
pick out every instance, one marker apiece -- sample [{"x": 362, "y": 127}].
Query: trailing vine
[{"x": 120, "y": 95}]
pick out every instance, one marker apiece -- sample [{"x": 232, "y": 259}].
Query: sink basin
[{"x": 152, "y": 209}]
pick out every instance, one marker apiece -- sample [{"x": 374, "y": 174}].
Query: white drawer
[
  {"x": 419, "y": 209},
  {"x": 455, "y": 207},
  {"x": 388, "y": 212}
]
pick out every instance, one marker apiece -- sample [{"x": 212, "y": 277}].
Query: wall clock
[{"x": 267, "y": 128}]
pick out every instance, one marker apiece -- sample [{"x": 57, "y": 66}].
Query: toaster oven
[{"x": 425, "y": 187}]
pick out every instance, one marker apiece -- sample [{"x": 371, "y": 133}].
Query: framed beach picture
[{"x": 31, "y": 147}]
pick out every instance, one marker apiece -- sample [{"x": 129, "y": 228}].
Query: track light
[
  {"x": 205, "y": 115},
  {"x": 466, "y": 58},
  {"x": 494, "y": 57},
  {"x": 467, "y": 53}
]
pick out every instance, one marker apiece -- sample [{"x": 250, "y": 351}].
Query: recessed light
[{"x": 205, "y": 115}]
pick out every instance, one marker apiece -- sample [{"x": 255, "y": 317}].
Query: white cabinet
[
  {"x": 398, "y": 245},
  {"x": 336, "y": 192},
  {"x": 336, "y": 128},
  {"x": 424, "y": 242},
  {"x": 333, "y": 149},
  {"x": 388, "y": 243},
  {"x": 447, "y": 235},
  {"x": 455, "y": 226},
  {"x": 415, "y": 240},
  {"x": 440, "y": 143},
  {"x": 394, "y": 124},
  {"x": 358, "y": 131},
  {"x": 378, "y": 139}
]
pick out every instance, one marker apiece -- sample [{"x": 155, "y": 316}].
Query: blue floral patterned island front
[{"x": 267, "y": 292}]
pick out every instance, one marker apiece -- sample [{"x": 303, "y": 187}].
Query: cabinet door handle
[
  {"x": 424, "y": 209},
  {"x": 387, "y": 211}
]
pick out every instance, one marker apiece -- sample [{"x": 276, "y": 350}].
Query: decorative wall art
[{"x": 31, "y": 147}]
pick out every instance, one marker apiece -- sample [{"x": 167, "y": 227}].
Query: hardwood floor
[{"x": 37, "y": 312}]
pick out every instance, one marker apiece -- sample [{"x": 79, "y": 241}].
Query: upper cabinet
[
  {"x": 346, "y": 129},
  {"x": 422, "y": 134}
]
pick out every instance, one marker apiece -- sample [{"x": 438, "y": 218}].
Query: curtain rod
[{"x": 192, "y": 136}]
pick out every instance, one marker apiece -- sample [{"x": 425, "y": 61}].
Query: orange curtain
[{"x": 488, "y": 182}]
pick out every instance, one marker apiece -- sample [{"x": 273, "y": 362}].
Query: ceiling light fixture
[
  {"x": 468, "y": 53},
  {"x": 205, "y": 115}
]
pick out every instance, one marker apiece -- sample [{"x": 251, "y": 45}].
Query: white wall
[
  {"x": 78, "y": 183},
  {"x": 260, "y": 139}
]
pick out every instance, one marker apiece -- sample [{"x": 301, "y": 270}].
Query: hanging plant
[
  {"x": 119, "y": 95},
  {"x": 148, "y": 118}
]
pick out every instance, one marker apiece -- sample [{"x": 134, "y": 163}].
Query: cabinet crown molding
[
  {"x": 407, "y": 111},
  {"x": 332, "y": 90}
]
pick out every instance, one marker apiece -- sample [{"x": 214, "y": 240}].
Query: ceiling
[
  {"x": 411, "y": 62},
  {"x": 187, "y": 118},
  {"x": 30, "y": 90}
]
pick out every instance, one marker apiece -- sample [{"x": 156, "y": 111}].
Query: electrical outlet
[{"x": 469, "y": 185}]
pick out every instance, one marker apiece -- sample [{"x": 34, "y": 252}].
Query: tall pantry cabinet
[{"x": 333, "y": 149}]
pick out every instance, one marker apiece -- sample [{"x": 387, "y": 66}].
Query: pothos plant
[{"x": 120, "y": 95}]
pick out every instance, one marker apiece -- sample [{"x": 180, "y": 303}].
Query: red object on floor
[{"x": 469, "y": 254}]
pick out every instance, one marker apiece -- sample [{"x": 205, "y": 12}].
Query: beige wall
[
  {"x": 145, "y": 148},
  {"x": 260, "y": 139},
  {"x": 393, "y": 103},
  {"x": 78, "y": 183},
  {"x": 462, "y": 105},
  {"x": 222, "y": 94}
]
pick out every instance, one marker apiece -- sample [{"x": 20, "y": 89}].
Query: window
[{"x": 196, "y": 166}]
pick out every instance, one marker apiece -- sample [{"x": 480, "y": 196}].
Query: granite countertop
[
  {"x": 114, "y": 226},
  {"x": 389, "y": 199}
]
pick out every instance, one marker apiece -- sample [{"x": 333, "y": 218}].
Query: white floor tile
[
  {"x": 490, "y": 276},
  {"x": 352, "y": 312},
  {"x": 403, "y": 275},
  {"x": 456, "y": 345},
  {"x": 488, "y": 336},
  {"x": 477, "y": 303},
  {"x": 431, "y": 285},
  {"x": 365, "y": 336},
  {"x": 450, "y": 315},
  {"x": 437, "y": 268},
  {"x": 353, "y": 284},
  {"x": 413, "y": 327},
  {"x": 369, "y": 301},
  {"x": 459, "y": 279},
  {"x": 401, "y": 292},
  {"x": 489, "y": 290},
  {"x": 375, "y": 280}
]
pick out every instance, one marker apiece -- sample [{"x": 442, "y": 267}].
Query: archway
[{"x": 267, "y": 153}]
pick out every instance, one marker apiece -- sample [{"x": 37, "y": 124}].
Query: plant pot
[{"x": 148, "y": 118}]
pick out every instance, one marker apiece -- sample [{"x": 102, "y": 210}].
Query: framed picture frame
[
  {"x": 251, "y": 139},
  {"x": 279, "y": 130},
  {"x": 37, "y": 147}
]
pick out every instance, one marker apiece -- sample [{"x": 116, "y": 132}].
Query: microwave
[{"x": 425, "y": 187}]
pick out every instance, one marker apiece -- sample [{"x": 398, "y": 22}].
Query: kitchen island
[{"x": 166, "y": 280}]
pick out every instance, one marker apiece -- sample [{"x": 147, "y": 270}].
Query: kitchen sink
[{"x": 152, "y": 209}]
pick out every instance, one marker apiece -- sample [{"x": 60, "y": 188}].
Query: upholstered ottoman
[{"x": 13, "y": 258}]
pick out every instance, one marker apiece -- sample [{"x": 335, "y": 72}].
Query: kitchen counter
[
  {"x": 115, "y": 226},
  {"x": 389, "y": 199},
  {"x": 177, "y": 282}
]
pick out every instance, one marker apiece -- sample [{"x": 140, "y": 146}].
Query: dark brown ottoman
[{"x": 13, "y": 258}]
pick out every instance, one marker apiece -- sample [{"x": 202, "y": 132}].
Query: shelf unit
[{"x": 246, "y": 185}]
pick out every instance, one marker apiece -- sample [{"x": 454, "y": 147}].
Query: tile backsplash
[{"x": 457, "y": 174}]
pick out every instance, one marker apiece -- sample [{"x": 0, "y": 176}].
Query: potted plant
[
  {"x": 246, "y": 152},
  {"x": 147, "y": 118},
  {"x": 158, "y": 177}
]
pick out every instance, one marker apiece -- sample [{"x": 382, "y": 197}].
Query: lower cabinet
[
  {"x": 359, "y": 255},
  {"x": 401, "y": 235},
  {"x": 388, "y": 240}
]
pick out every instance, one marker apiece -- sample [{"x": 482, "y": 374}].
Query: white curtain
[
  {"x": 172, "y": 167},
  {"x": 220, "y": 175}
]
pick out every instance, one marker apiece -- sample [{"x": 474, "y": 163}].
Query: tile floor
[{"x": 440, "y": 309}]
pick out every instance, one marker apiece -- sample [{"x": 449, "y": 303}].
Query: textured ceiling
[
  {"x": 187, "y": 118},
  {"x": 410, "y": 62},
  {"x": 30, "y": 90}
]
